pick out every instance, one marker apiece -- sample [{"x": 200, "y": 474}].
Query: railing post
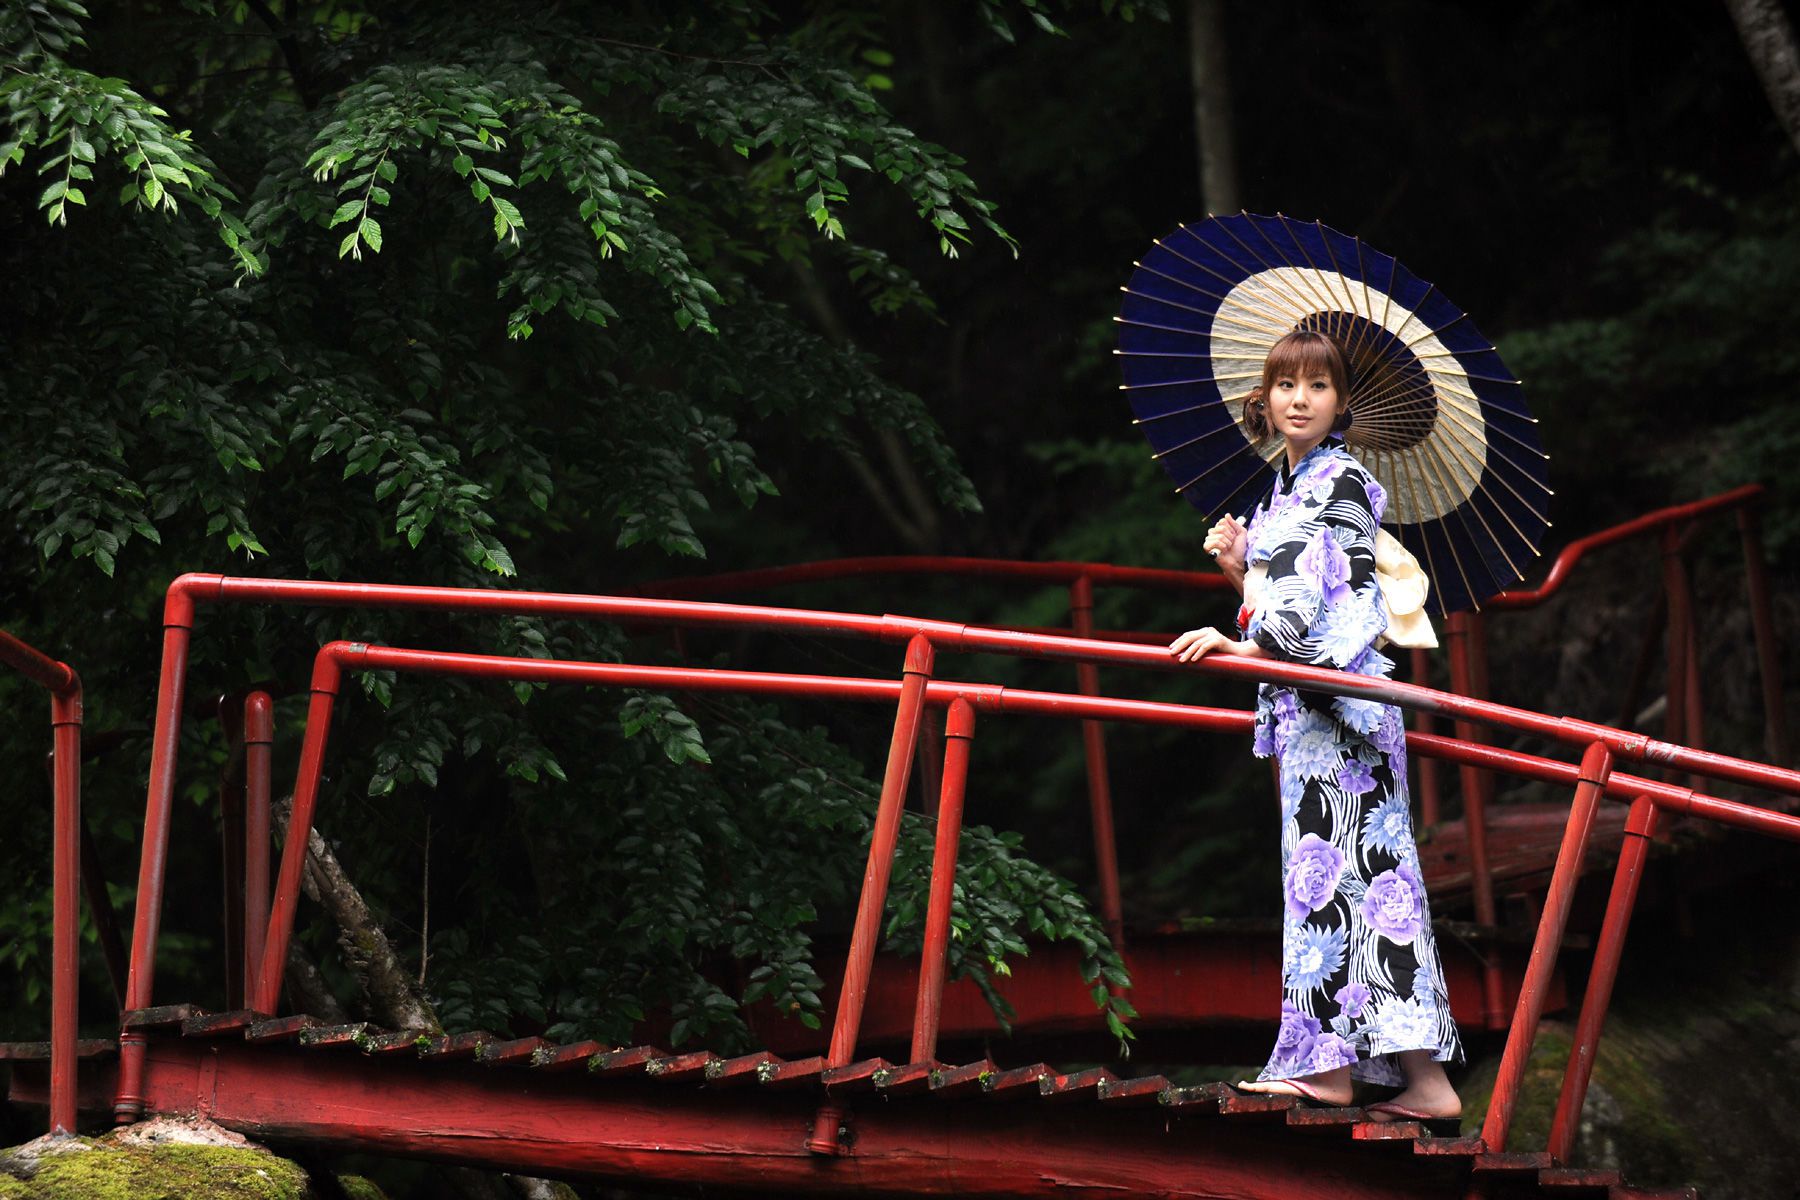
[
  {"x": 270, "y": 970},
  {"x": 1640, "y": 828},
  {"x": 959, "y": 729},
  {"x": 65, "y": 906},
  {"x": 1596, "y": 767},
  {"x": 1481, "y": 880},
  {"x": 1762, "y": 619},
  {"x": 1426, "y": 769},
  {"x": 866, "y": 933},
  {"x": 259, "y": 739},
  {"x": 1093, "y": 741},
  {"x": 171, "y": 688},
  {"x": 231, "y": 822}
]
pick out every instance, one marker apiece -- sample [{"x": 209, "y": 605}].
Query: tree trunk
[
  {"x": 394, "y": 999},
  {"x": 1769, "y": 41},
  {"x": 1210, "y": 78}
]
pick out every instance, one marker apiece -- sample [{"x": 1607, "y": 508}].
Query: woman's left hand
[{"x": 1196, "y": 643}]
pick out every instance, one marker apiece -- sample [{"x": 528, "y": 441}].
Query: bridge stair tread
[{"x": 1536, "y": 1172}]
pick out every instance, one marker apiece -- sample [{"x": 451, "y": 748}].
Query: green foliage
[
  {"x": 1633, "y": 377},
  {"x": 504, "y": 299}
]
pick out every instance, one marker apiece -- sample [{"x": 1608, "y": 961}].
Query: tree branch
[{"x": 1768, "y": 39}]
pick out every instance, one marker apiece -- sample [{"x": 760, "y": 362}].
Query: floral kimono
[{"x": 1359, "y": 965}]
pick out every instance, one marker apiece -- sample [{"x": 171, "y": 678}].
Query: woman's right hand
[{"x": 1228, "y": 542}]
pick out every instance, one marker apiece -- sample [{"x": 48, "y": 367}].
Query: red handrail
[
  {"x": 185, "y": 592},
  {"x": 1594, "y": 776},
  {"x": 1465, "y": 640},
  {"x": 64, "y": 686},
  {"x": 1650, "y": 522}
]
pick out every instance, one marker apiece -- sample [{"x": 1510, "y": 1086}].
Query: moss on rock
[
  {"x": 105, "y": 1172},
  {"x": 120, "y": 1167}
]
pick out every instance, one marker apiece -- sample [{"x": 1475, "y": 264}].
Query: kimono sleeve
[{"x": 1323, "y": 605}]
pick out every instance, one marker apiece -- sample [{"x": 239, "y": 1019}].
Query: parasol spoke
[
  {"x": 1321, "y": 303},
  {"x": 1271, "y": 277},
  {"x": 1139, "y": 387},
  {"x": 1177, "y": 412},
  {"x": 1202, "y": 475},
  {"x": 1364, "y": 331},
  {"x": 1450, "y": 542},
  {"x": 1277, "y": 330},
  {"x": 1469, "y": 430},
  {"x": 1196, "y": 440},
  {"x": 1297, "y": 313},
  {"x": 1412, "y": 487},
  {"x": 1193, "y": 333},
  {"x": 1470, "y": 505}
]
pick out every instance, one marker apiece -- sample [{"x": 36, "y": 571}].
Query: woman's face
[{"x": 1302, "y": 410}]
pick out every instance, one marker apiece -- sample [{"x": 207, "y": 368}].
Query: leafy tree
[{"x": 415, "y": 290}]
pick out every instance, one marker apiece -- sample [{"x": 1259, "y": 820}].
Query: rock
[{"x": 165, "y": 1159}]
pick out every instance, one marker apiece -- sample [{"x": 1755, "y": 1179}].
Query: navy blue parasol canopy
[{"x": 1435, "y": 414}]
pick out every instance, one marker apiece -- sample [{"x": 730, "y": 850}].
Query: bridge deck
[{"x": 642, "y": 1116}]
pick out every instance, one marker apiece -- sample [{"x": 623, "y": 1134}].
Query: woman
[{"x": 1364, "y": 990}]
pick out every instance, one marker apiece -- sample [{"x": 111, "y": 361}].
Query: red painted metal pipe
[
  {"x": 56, "y": 677},
  {"x": 1652, "y": 522},
  {"x": 1093, "y": 743},
  {"x": 1596, "y": 766},
  {"x": 188, "y": 590},
  {"x": 1762, "y": 618},
  {"x": 178, "y": 623},
  {"x": 1107, "y": 574},
  {"x": 732, "y": 582},
  {"x": 65, "y": 904},
  {"x": 231, "y": 823},
  {"x": 951, "y": 636},
  {"x": 325, "y": 680},
  {"x": 959, "y": 730},
  {"x": 340, "y": 656},
  {"x": 259, "y": 744},
  {"x": 1640, "y": 828},
  {"x": 865, "y": 934},
  {"x": 64, "y": 686}
]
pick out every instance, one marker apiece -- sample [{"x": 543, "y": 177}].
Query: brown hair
[{"x": 1302, "y": 354}]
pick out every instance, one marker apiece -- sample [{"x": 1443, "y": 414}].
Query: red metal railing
[
  {"x": 64, "y": 686},
  {"x": 916, "y": 689},
  {"x": 1465, "y": 639}
]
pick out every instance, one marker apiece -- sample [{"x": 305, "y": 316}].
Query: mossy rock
[{"x": 105, "y": 1169}]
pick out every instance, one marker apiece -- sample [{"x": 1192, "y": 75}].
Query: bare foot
[{"x": 1331, "y": 1087}]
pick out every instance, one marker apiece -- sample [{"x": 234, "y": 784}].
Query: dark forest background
[{"x": 580, "y": 297}]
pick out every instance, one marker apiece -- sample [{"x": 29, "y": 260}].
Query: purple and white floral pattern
[{"x": 1360, "y": 970}]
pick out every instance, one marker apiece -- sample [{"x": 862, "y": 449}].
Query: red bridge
[{"x": 830, "y": 1118}]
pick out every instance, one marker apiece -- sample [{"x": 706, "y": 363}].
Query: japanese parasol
[{"x": 1436, "y": 415}]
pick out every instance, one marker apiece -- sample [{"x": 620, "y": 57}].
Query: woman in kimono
[{"x": 1364, "y": 994}]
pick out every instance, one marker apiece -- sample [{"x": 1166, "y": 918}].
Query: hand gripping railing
[
  {"x": 924, "y": 638},
  {"x": 64, "y": 687}
]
